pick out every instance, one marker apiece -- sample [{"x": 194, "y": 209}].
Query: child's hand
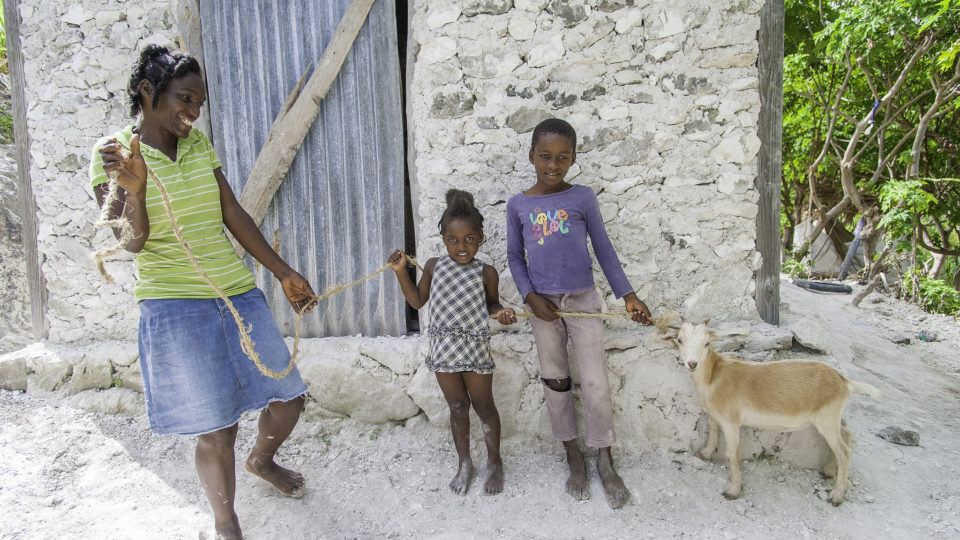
[
  {"x": 641, "y": 313},
  {"x": 506, "y": 316},
  {"x": 298, "y": 292},
  {"x": 397, "y": 261},
  {"x": 544, "y": 309}
]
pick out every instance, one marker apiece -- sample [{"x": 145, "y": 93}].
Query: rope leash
[{"x": 247, "y": 344}]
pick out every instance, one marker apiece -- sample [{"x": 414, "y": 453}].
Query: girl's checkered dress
[{"x": 459, "y": 328}]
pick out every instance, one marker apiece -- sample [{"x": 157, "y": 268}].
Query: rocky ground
[{"x": 69, "y": 472}]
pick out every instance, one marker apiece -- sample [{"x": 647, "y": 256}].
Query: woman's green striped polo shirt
[{"x": 163, "y": 270}]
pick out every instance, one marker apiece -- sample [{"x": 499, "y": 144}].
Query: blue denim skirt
[{"x": 196, "y": 379}]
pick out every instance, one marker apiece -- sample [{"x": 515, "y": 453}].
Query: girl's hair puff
[
  {"x": 159, "y": 66},
  {"x": 460, "y": 206}
]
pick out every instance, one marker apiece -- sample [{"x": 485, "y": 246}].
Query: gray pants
[{"x": 586, "y": 337}]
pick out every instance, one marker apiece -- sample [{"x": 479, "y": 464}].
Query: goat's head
[{"x": 693, "y": 342}]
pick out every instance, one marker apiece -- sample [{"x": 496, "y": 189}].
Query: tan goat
[{"x": 787, "y": 395}]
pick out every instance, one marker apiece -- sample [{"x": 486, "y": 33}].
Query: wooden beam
[
  {"x": 191, "y": 41},
  {"x": 26, "y": 202},
  {"x": 291, "y": 125},
  {"x": 770, "y": 66}
]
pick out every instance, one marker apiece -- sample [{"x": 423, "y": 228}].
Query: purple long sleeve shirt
[{"x": 547, "y": 243}]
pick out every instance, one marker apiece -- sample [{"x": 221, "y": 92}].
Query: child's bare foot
[
  {"x": 617, "y": 492},
  {"x": 494, "y": 483},
  {"x": 461, "y": 482},
  {"x": 229, "y": 530},
  {"x": 288, "y": 483},
  {"x": 577, "y": 484}
]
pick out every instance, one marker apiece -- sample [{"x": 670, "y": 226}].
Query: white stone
[
  {"x": 628, "y": 21},
  {"x": 522, "y": 26},
  {"x": 546, "y": 53},
  {"x": 132, "y": 378},
  {"x": 535, "y": 6},
  {"x": 669, "y": 23},
  {"x": 629, "y": 76},
  {"x": 811, "y": 332},
  {"x": 664, "y": 50},
  {"x": 91, "y": 116},
  {"x": 443, "y": 15},
  {"x": 13, "y": 373},
  {"x": 90, "y": 374},
  {"x": 106, "y": 18},
  {"x": 425, "y": 392},
  {"x": 737, "y": 147},
  {"x": 76, "y": 15},
  {"x": 726, "y": 61},
  {"x": 438, "y": 50},
  {"x": 614, "y": 111},
  {"x": 433, "y": 165},
  {"x": 110, "y": 401},
  {"x": 400, "y": 355},
  {"x": 337, "y": 380},
  {"x": 577, "y": 72}
]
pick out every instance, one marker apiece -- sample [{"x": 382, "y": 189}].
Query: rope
[{"x": 247, "y": 344}]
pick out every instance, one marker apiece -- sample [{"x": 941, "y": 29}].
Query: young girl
[
  {"x": 196, "y": 379},
  {"x": 547, "y": 230},
  {"x": 465, "y": 294}
]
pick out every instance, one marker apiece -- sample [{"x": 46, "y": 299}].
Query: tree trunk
[{"x": 937, "y": 268}]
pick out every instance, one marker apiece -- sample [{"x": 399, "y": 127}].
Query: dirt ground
[{"x": 69, "y": 473}]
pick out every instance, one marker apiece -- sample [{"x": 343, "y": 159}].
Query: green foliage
[
  {"x": 935, "y": 295},
  {"x": 900, "y": 201},
  {"x": 796, "y": 269}
]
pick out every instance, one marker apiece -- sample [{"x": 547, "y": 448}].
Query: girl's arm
[
  {"x": 517, "y": 260},
  {"x": 416, "y": 295},
  {"x": 131, "y": 198},
  {"x": 610, "y": 262},
  {"x": 241, "y": 225},
  {"x": 491, "y": 284}
]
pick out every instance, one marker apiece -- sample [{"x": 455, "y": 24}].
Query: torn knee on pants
[{"x": 558, "y": 385}]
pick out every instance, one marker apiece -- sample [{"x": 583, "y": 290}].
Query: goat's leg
[
  {"x": 731, "y": 433},
  {"x": 713, "y": 438},
  {"x": 830, "y": 469},
  {"x": 833, "y": 433}
]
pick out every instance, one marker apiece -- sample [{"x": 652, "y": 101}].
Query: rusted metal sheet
[{"x": 339, "y": 212}]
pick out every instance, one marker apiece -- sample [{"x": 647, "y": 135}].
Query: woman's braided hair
[
  {"x": 460, "y": 206},
  {"x": 159, "y": 66}
]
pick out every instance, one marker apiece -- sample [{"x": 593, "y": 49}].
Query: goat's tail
[{"x": 863, "y": 388}]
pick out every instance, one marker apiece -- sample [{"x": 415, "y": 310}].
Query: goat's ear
[{"x": 706, "y": 321}]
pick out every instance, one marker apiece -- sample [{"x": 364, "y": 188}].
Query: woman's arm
[
  {"x": 242, "y": 227},
  {"x": 491, "y": 285},
  {"x": 131, "y": 196},
  {"x": 416, "y": 295}
]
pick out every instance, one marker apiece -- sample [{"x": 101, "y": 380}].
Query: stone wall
[
  {"x": 665, "y": 99},
  {"x": 77, "y": 58}
]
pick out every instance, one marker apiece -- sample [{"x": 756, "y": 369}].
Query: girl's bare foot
[
  {"x": 494, "y": 483},
  {"x": 288, "y": 483},
  {"x": 461, "y": 482},
  {"x": 577, "y": 484},
  {"x": 617, "y": 492}
]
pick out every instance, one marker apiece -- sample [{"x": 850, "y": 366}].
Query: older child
[
  {"x": 196, "y": 379},
  {"x": 547, "y": 230},
  {"x": 465, "y": 294}
]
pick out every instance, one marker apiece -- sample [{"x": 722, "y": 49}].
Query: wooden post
[
  {"x": 27, "y": 204},
  {"x": 770, "y": 66},
  {"x": 191, "y": 41},
  {"x": 291, "y": 125}
]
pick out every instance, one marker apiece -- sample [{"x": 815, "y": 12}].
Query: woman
[{"x": 197, "y": 380}]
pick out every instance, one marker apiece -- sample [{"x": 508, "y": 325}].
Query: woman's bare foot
[
  {"x": 229, "y": 530},
  {"x": 577, "y": 484},
  {"x": 288, "y": 483},
  {"x": 617, "y": 492},
  {"x": 461, "y": 482},
  {"x": 494, "y": 483}
]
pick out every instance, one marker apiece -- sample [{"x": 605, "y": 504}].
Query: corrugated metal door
[{"x": 339, "y": 212}]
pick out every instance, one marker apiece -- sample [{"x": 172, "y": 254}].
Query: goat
[{"x": 786, "y": 395}]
